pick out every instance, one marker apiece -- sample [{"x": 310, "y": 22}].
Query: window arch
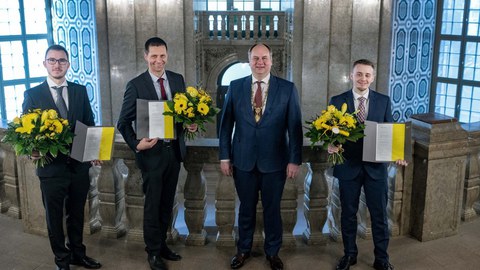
[{"x": 25, "y": 33}]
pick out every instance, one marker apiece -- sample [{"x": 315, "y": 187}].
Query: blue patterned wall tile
[
  {"x": 411, "y": 57},
  {"x": 76, "y": 32}
]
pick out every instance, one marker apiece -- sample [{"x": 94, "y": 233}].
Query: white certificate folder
[
  {"x": 387, "y": 142},
  {"x": 151, "y": 123},
  {"x": 92, "y": 143}
]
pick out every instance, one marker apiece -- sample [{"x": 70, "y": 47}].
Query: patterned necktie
[
  {"x": 361, "y": 109},
  {"x": 60, "y": 102},
  {"x": 258, "y": 101},
  {"x": 162, "y": 89}
]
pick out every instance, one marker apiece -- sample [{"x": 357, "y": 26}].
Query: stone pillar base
[
  {"x": 172, "y": 236},
  {"x": 317, "y": 239},
  {"x": 15, "y": 212},
  {"x": 224, "y": 240},
  {"x": 135, "y": 235},
  {"x": 113, "y": 232},
  {"x": 197, "y": 239}
]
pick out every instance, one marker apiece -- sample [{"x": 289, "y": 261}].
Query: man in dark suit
[
  {"x": 264, "y": 151},
  {"x": 355, "y": 173},
  {"x": 64, "y": 182},
  {"x": 158, "y": 160}
]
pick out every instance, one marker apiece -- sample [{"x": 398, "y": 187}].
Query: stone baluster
[
  {"x": 395, "y": 200},
  {"x": 9, "y": 184},
  {"x": 316, "y": 192},
  {"x": 289, "y": 212},
  {"x": 112, "y": 197},
  {"x": 172, "y": 232},
  {"x": 92, "y": 214},
  {"x": 195, "y": 203},
  {"x": 247, "y": 26},
  {"x": 471, "y": 190},
  {"x": 134, "y": 201},
  {"x": 334, "y": 206},
  {"x": 223, "y": 26},
  {"x": 225, "y": 210},
  {"x": 256, "y": 27},
  {"x": 232, "y": 34}
]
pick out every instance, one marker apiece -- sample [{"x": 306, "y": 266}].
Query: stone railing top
[
  {"x": 433, "y": 118},
  {"x": 471, "y": 127}
]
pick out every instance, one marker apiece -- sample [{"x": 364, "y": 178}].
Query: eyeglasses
[{"x": 53, "y": 61}]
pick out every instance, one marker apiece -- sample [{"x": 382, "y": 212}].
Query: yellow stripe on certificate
[
  {"x": 398, "y": 141},
  {"x": 106, "y": 143}
]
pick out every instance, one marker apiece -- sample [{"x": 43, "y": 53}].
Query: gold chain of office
[{"x": 258, "y": 110}]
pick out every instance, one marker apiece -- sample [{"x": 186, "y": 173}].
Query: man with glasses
[{"x": 64, "y": 182}]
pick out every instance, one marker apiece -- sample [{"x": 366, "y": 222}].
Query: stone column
[
  {"x": 316, "y": 194},
  {"x": 33, "y": 212},
  {"x": 471, "y": 189},
  {"x": 225, "y": 210},
  {"x": 9, "y": 186},
  {"x": 441, "y": 149}
]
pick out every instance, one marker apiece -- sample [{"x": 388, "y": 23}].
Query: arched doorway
[{"x": 232, "y": 72}]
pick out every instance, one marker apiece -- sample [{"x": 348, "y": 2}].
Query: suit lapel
[
  {"x": 174, "y": 87},
  {"x": 246, "y": 98},
  {"x": 272, "y": 92},
  {"x": 371, "y": 103},
  {"x": 150, "y": 89},
  {"x": 349, "y": 101},
  {"x": 47, "y": 94},
  {"x": 71, "y": 100}
]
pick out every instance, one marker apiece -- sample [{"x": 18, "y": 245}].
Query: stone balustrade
[
  {"x": 115, "y": 204},
  {"x": 242, "y": 25}
]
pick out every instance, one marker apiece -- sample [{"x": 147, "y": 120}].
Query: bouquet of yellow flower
[
  {"x": 39, "y": 132},
  {"x": 335, "y": 127},
  {"x": 192, "y": 107}
]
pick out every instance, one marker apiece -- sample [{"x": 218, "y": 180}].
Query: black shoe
[
  {"x": 239, "y": 260},
  {"x": 62, "y": 267},
  {"x": 86, "y": 262},
  {"x": 170, "y": 255},
  {"x": 379, "y": 265},
  {"x": 156, "y": 263},
  {"x": 345, "y": 262},
  {"x": 275, "y": 262}
]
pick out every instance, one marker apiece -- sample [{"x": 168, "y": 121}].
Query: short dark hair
[
  {"x": 155, "y": 41},
  {"x": 363, "y": 62},
  {"x": 255, "y": 45},
  {"x": 56, "y": 47}
]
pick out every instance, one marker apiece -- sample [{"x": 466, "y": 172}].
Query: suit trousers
[
  {"x": 248, "y": 184},
  {"x": 67, "y": 192},
  {"x": 376, "y": 197},
  {"x": 159, "y": 187}
]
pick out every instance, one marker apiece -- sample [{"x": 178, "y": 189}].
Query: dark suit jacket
[
  {"x": 40, "y": 97},
  {"x": 142, "y": 87},
  {"x": 379, "y": 110},
  {"x": 272, "y": 142}
]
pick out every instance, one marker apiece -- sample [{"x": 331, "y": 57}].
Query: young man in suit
[
  {"x": 264, "y": 151},
  {"x": 355, "y": 173},
  {"x": 64, "y": 182},
  {"x": 159, "y": 160}
]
